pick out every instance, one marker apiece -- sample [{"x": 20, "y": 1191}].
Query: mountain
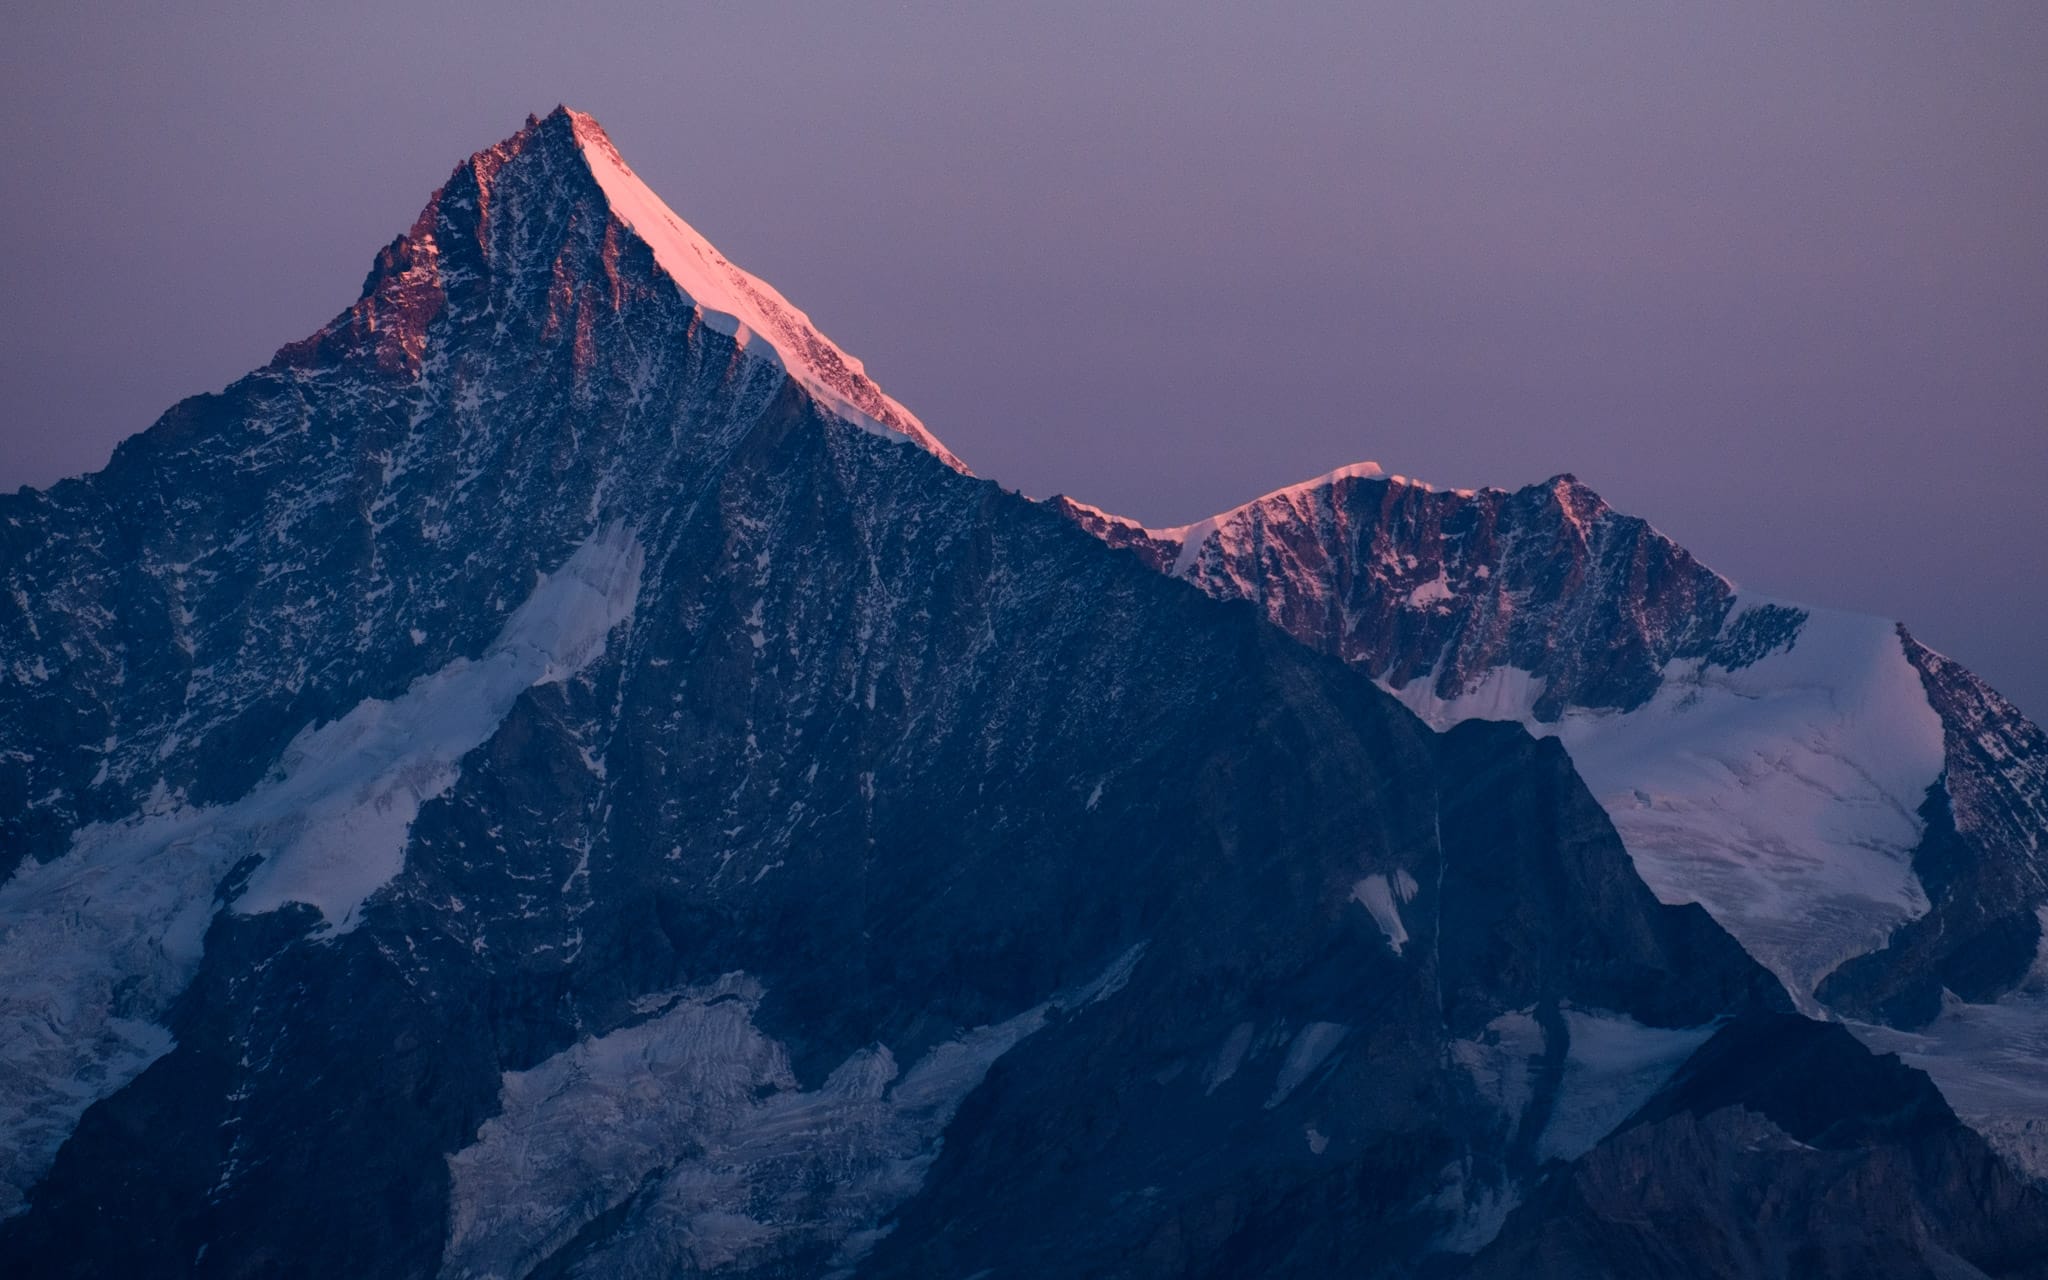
[
  {"x": 557, "y": 774},
  {"x": 1864, "y": 815}
]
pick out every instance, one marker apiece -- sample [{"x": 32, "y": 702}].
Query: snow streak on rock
[{"x": 95, "y": 945}]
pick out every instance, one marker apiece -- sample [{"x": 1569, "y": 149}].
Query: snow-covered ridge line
[
  {"x": 1192, "y": 537},
  {"x": 1194, "y": 534},
  {"x": 743, "y": 306}
]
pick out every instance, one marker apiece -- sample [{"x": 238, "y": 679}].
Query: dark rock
[{"x": 905, "y": 861}]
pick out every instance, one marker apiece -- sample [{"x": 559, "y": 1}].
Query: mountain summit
[
  {"x": 567, "y": 159},
  {"x": 735, "y": 303},
  {"x": 539, "y": 780}
]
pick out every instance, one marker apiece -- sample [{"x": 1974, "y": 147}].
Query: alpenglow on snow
[{"x": 557, "y": 774}]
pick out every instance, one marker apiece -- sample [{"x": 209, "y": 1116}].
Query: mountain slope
[
  {"x": 555, "y": 775},
  {"x": 1863, "y": 814}
]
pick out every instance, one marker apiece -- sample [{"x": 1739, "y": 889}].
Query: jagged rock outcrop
[{"x": 1448, "y": 587}]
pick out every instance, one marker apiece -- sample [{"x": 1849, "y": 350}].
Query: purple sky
[{"x": 1774, "y": 276}]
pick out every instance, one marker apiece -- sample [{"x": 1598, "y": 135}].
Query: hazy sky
[{"x": 1774, "y": 276}]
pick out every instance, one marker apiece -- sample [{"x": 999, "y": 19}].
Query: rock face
[
  {"x": 1866, "y": 816},
  {"x": 1981, "y": 861},
  {"x": 558, "y": 775},
  {"x": 1449, "y": 588}
]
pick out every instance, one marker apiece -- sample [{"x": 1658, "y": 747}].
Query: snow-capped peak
[
  {"x": 740, "y": 304},
  {"x": 1191, "y": 537}
]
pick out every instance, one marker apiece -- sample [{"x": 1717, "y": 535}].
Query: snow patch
[
  {"x": 1613, "y": 1065},
  {"x": 1311, "y": 1046},
  {"x": 1990, "y": 1062},
  {"x": 1478, "y": 1209},
  {"x": 1503, "y": 693},
  {"x": 1436, "y": 591},
  {"x": 1229, "y": 1057},
  {"x": 1502, "y": 1061},
  {"x": 695, "y": 1127},
  {"x": 1107, "y": 517},
  {"x": 1380, "y": 896}
]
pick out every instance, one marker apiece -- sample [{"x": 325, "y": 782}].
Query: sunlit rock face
[
  {"x": 1865, "y": 815},
  {"x": 559, "y": 775},
  {"x": 1449, "y": 588}
]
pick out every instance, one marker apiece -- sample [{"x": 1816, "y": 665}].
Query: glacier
[{"x": 95, "y": 945}]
